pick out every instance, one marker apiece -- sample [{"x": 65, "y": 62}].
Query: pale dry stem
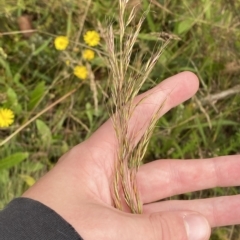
[{"x": 125, "y": 84}]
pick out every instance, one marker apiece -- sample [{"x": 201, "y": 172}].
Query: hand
[{"x": 78, "y": 187}]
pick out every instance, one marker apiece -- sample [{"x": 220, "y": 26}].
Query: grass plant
[{"x": 125, "y": 84}]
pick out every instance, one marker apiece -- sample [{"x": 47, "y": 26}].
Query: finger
[
  {"x": 170, "y": 226},
  {"x": 165, "y": 178},
  {"x": 106, "y": 223},
  {"x": 220, "y": 211},
  {"x": 171, "y": 92}
]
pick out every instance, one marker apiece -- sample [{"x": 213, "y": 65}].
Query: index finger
[{"x": 172, "y": 92}]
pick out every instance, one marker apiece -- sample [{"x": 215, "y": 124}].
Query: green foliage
[
  {"x": 44, "y": 132},
  {"x": 12, "y": 101},
  {"x": 183, "y": 26},
  {"x": 36, "y": 95},
  {"x": 33, "y": 75},
  {"x": 12, "y": 160}
]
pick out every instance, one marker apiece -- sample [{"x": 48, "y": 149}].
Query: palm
[{"x": 84, "y": 174}]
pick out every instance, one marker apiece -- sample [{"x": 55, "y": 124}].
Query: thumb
[{"x": 172, "y": 226}]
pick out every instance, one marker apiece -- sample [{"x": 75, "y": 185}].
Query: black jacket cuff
[{"x": 27, "y": 219}]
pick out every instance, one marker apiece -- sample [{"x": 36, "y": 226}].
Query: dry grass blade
[
  {"x": 124, "y": 85},
  {"x": 224, "y": 94}
]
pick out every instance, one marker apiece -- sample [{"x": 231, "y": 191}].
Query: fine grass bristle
[{"x": 125, "y": 84}]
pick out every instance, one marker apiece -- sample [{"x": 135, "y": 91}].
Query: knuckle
[{"x": 167, "y": 226}]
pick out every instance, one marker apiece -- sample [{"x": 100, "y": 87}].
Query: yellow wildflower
[
  {"x": 61, "y": 43},
  {"x": 88, "y": 54},
  {"x": 6, "y": 117},
  {"x": 91, "y": 38},
  {"x": 67, "y": 62},
  {"x": 81, "y": 72}
]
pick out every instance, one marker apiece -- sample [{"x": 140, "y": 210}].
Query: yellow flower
[
  {"x": 61, "y": 43},
  {"x": 88, "y": 54},
  {"x": 6, "y": 117},
  {"x": 91, "y": 38},
  {"x": 81, "y": 72}
]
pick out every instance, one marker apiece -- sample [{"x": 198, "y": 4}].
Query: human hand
[{"x": 79, "y": 187}]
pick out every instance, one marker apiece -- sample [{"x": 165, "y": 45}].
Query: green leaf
[
  {"x": 4, "y": 177},
  {"x": 13, "y": 160},
  {"x": 149, "y": 16},
  {"x": 12, "y": 96},
  {"x": 36, "y": 95},
  {"x": 184, "y": 26},
  {"x": 28, "y": 179},
  {"x": 201, "y": 131},
  {"x": 64, "y": 147},
  {"x": 32, "y": 167},
  {"x": 41, "y": 48},
  {"x": 6, "y": 66},
  {"x": 13, "y": 101},
  {"x": 44, "y": 132},
  {"x": 98, "y": 61},
  {"x": 17, "y": 80}
]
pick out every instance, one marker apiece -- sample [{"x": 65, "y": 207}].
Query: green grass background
[{"x": 34, "y": 75}]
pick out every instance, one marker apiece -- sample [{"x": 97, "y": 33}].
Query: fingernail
[{"x": 197, "y": 227}]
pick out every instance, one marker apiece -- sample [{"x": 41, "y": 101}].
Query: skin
[{"x": 78, "y": 187}]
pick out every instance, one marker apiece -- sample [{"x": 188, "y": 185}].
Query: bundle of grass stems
[{"x": 125, "y": 83}]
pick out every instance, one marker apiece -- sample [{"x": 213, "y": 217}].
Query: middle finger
[{"x": 165, "y": 178}]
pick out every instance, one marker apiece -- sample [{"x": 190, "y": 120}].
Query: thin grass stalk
[{"x": 124, "y": 84}]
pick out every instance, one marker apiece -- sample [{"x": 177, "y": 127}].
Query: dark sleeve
[{"x": 27, "y": 219}]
